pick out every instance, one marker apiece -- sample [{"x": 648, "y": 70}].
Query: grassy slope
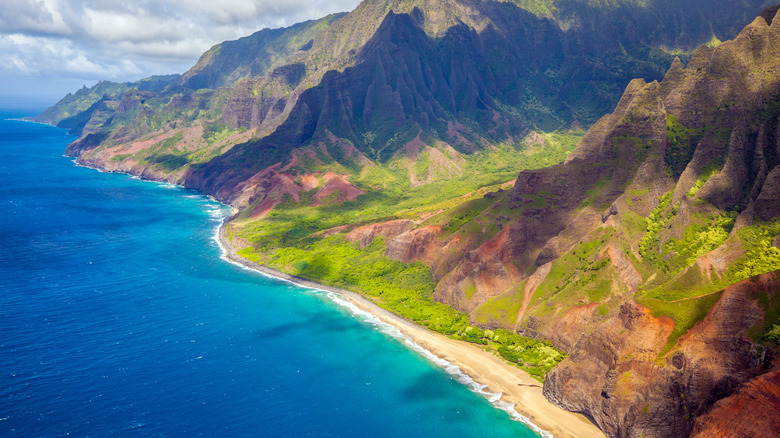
[
  {"x": 287, "y": 240},
  {"x": 671, "y": 283}
]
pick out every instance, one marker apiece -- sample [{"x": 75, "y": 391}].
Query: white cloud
[
  {"x": 42, "y": 56},
  {"x": 127, "y": 40},
  {"x": 37, "y": 17}
]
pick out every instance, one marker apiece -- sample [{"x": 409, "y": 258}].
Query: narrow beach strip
[{"x": 505, "y": 385}]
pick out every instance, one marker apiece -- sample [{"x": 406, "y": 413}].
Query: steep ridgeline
[
  {"x": 457, "y": 74},
  {"x": 379, "y": 151},
  {"x": 88, "y": 109},
  {"x": 651, "y": 255}
]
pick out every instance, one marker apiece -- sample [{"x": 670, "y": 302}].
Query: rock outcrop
[
  {"x": 619, "y": 377},
  {"x": 336, "y": 189},
  {"x": 752, "y": 412},
  {"x": 627, "y": 255},
  {"x": 363, "y": 236},
  {"x": 420, "y": 244}
]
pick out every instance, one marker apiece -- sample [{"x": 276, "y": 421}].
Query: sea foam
[
  {"x": 453, "y": 370},
  {"x": 368, "y": 318}
]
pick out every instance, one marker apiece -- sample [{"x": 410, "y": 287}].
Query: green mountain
[
  {"x": 467, "y": 73},
  {"x": 379, "y": 151},
  {"x": 88, "y": 109},
  {"x": 226, "y": 64}
]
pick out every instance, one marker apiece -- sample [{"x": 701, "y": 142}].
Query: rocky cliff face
[
  {"x": 624, "y": 255},
  {"x": 466, "y": 72},
  {"x": 650, "y": 255},
  {"x": 705, "y": 136},
  {"x": 616, "y": 376},
  {"x": 753, "y": 411}
]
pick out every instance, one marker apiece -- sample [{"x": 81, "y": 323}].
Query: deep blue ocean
[{"x": 118, "y": 318}]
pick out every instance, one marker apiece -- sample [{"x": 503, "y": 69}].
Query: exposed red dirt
[
  {"x": 752, "y": 412},
  {"x": 309, "y": 182},
  {"x": 366, "y": 234},
  {"x": 336, "y": 184}
]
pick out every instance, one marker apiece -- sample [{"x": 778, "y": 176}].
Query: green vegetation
[
  {"x": 684, "y": 293},
  {"x": 769, "y": 330},
  {"x": 405, "y": 289},
  {"x": 452, "y": 220},
  {"x": 595, "y": 192},
  {"x": 165, "y": 154},
  {"x": 760, "y": 257},
  {"x": 658, "y": 219},
  {"x": 579, "y": 271},
  {"x": 216, "y": 132},
  {"x": 287, "y": 238},
  {"x": 713, "y": 42},
  {"x": 709, "y": 170},
  {"x": 121, "y": 157},
  {"x": 80, "y": 101},
  {"x": 226, "y": 64},
  {"x": 705, "y": 233},
  {"x": 773, "y": 335},
  {"x": 563, "y": 140},
  {"x": 679, "y": 290},
  {"x": 536, "y": 7},
  {"x": 422, "y": 166},
  {"x": 689, "y": 283},
  {"x": 534, "y": 356},
  {"x": 502, "y": 309},
  {"x": 170, "y": 161},
  {"x": 391, "y": 196},
  {"x": 685, "y": 314},
  {"x": 167, "y": 144},
  {"x": 681, "y": 142}
]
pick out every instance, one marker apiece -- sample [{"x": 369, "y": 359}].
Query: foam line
[{"x": 369, "y": 318}]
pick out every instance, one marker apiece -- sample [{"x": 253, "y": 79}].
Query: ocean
[{"x": 119, "y": 318}]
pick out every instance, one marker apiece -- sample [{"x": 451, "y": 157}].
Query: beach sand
[{"x": 485, "y": 368}]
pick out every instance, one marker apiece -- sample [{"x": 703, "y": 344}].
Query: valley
[{"x": 599, "y": 205}]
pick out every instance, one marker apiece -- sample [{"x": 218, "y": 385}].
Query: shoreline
[{"x": 508, "y": 387}]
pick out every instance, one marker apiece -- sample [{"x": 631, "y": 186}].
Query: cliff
[
  {"x": 461, "y": 75},
  {"x": 664, "y": 202},
  {"x": 383, "y": 153}
]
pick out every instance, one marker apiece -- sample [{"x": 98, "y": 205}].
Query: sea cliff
[
  {"x": 507, "y": 386},
  {"x": 645, "y": 250}
]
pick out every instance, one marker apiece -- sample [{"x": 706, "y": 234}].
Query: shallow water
[{"x": 118, "y": 318}]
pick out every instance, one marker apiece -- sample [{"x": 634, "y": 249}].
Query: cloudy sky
[{"x": 51, "y": 47}]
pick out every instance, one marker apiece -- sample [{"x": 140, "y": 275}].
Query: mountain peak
[{"x": 769, "y": 14}]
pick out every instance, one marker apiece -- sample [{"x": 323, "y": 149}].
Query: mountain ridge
[
  {"x": 261, "y": 104},
  {"x": 649, "y": 252}
]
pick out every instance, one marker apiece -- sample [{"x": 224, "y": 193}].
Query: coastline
[{"x": 507, "y": 386}]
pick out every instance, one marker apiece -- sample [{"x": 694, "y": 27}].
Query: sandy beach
[{"x": 485, "y": 368}]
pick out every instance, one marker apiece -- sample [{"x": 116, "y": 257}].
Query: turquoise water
[{"x": 118, "y": 318}]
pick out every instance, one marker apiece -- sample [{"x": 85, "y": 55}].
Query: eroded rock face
[
  {"x": 487, "y": 269},
  {"x": 336, "y": 189},
  {"x": 421, "y": 244},
  {"x": 768, "y": 201},
  {"x": 752, "y": 412},
  {"x": 363, "y": 236},
  {"x": 620, "y": 371},
  {"x": 616, "y": 377},
  {"x": 614, "y": 372}
]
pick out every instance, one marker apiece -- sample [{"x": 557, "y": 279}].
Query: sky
[{"x": 49, "y": 48}]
